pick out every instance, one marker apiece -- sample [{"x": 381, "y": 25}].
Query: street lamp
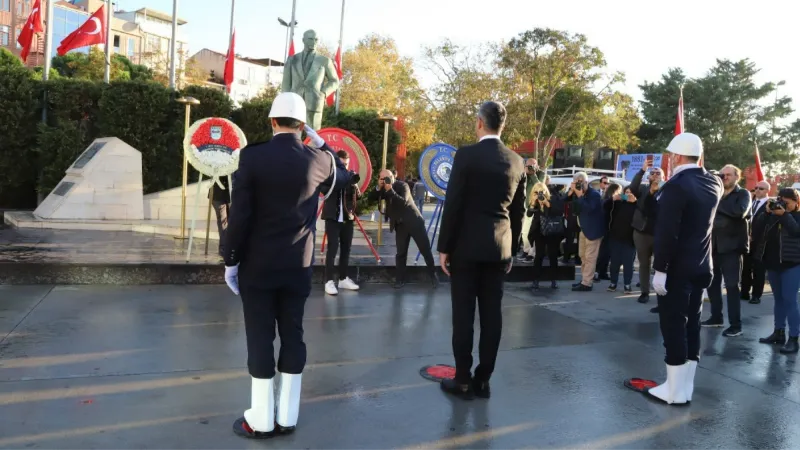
[
  {"x": 188, "y": 102},
  {"x": 386, "y": 119},
  {"x": 288, "y": 27}
]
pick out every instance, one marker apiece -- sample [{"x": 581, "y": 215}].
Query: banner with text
[{"x": 632, "y": 164}]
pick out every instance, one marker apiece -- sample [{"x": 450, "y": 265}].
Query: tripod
[{"x": 437, "y": 214}]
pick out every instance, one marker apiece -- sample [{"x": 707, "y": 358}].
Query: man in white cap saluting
[
  {"x": 687, "y": 204},
  {"x": 268, "y": 257}
]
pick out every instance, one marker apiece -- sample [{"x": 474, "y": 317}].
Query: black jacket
[
  {"x": 755, "y": 238},
  {"x": 620, "y": 218},
  {"x": 687, "y": 204},
  {"x": 789, "y": 238},
  {"x": 556, "y": 209},
  {"x": 221, "y": 195},
  {"x": 273, "y": 217},
  {"x": 400, "y": 206},
  {"x": 644, "y": 216},
  {"x": 347, "y": 197},
  {"x": 731, "y": 229},
  {"x": 485, "y": 203}
]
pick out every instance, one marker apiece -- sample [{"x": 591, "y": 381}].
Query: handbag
[{"x": 551, "y": 226}]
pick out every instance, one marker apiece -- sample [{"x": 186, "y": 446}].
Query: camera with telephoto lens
[
  {"x": 579, "y": 186},
  {"x": 354, "y": 177},
  {"x": 774, "y": 205},
  {"x": 387, "y": 180},
  {"x": 541, "y": 196}
]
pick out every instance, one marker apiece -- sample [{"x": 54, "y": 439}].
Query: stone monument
[
  {"x": 311, "y": 76},
  {"x": 104, "y": 183}
]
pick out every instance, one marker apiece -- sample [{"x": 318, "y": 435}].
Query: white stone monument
[{"x": 104, "y": 183}]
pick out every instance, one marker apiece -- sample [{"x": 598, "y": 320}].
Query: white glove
[
  {"x": 232, "y": 278},
  {"x": 660, "y": 283},
  {"x": 316, "y": 141}
]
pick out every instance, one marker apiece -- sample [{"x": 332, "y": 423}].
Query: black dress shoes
[{"x": 462, "y": 391}]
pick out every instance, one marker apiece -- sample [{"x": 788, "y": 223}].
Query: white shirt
[{"x": 489, "y": 136}]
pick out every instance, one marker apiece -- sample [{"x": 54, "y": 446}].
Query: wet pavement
[{"x": 164, "y": 367}]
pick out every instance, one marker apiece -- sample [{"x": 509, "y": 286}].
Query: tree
[
  {"x": 8, "y": 59},
  {"x": 554, "y": 75},
  {"x": 375, "y": 76},
  {"x": 728, "y": 110},
  {"x": 137, "y": 72},
  {"x": 89, "y": 66}
]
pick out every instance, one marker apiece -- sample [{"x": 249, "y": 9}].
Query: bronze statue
[{"x": 311, "y": 76}]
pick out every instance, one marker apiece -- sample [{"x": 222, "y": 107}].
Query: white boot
[
  {"x": 261, "y": 415},
  {"x": 690, "y": 371},
  {"x": 289, "y": 399},
  {"x": 673, "y": 391}
]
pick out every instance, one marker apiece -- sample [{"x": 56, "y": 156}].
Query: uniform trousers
[
  {"x": 679, "y": 317},
  {"x": 340, "y": 237},
  {"x": 403, "y": 233},
  {"x": 277, "y": 297},
  {"x": 471, "y": 281}
]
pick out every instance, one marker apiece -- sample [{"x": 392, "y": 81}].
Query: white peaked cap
[
  {"x": 288, "y": 104},
  {"x": 686, "y": 144}
]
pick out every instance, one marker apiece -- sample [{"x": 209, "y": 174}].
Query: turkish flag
[
  {"x": 337, "y": 63},
  {"x": 92, "y": 32},
  {"x": 230, "y": 60},
  {"x": 291, "y": 49},
  {"x": 759, "y": 170},
  {"x": 32, "y": 26},
  {"x": 679, "y": 128}
]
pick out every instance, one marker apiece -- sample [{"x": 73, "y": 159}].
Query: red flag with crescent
[
  {"x": 32, "y": 26},
  {"x": 92, "y": 32},
  {"x": 337, "y": 63}
]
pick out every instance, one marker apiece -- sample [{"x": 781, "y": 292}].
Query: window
[
  {"x": 19, "y": 8},
  {"x": 5, "y": 5},
  {"x": 116, "y": 43},
  {"x": 65, "y": 22},
  {"x": 19, "y": 31},
  {"x": 153, "y": 42},
  {"x": 4, "y": 30},
  {"x": 131, "y": 48}
]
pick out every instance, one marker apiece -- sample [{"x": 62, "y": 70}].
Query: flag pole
[
  {"x": 48, "y": 47},
  {"x": 230, "y": 34},
  {"x": 173, "y": 45},
  {"x": 341, "y": 59},
  {"x": 107, "y": 74},
  {"x": 291, "y": 24}
]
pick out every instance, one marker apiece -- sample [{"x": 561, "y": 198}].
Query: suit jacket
[
  {"x": 592, "y": 216},
  {"x": 755, "y": 237},
  {"x": 276, "y": 189},
  {"x": 322, "y": 73},
  {"x": 400, "y": 206},
  {"x": 731, "y": 227},
  {"x": 485, "y": 203},
  {"x": 687, "y": 204}
]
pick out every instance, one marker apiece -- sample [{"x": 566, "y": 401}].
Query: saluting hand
[{"x": 316, "y": 140}]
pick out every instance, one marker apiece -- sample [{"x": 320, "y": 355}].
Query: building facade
[
  {"x": 251, "y": 76},
  {"x": 156, "y": 36}
]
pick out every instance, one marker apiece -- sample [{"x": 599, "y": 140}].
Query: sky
[{"x": 641, "y": 41}]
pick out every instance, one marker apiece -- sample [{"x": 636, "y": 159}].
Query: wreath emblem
[{"x": 212, "y": 146}]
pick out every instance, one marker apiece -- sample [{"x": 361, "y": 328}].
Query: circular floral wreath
[{"x": 212, "y": 146}]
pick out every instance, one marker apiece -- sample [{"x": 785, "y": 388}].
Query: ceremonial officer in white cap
[
  {"x": 268, "y": 258},
  {"x": 687, "y": 204}
]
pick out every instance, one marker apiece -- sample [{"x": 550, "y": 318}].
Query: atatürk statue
[{"x": 311, "y": 76}]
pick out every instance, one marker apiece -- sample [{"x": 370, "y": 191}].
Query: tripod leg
[
  {"x": 369, "y": 243},
  {"x": 324, "y": 238},
  {"x": 436, "y": 227}
]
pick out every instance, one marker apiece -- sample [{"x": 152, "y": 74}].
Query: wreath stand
[
  {"x": 437, "y": 215},
  {"x": 214, "y": 180}
]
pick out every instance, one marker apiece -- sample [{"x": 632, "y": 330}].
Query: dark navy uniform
[
  {"x": 687, "y": 204},
  {"x": 271, "y": 230}
]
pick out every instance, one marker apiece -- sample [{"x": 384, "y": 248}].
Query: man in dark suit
[
  {"x": 221, "y": 200},
  {"x": 268, "y": 256},
  {"x": 753, "y": 271},
  {"x": 687, "y": 204},
  {"x": 406, "y": 221},
  {"x": 730, "y": 241},
  {"x": 481, "y": 224}
]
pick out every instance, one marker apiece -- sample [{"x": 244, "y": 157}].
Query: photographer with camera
[
  {"x": 591, "y": 219},
  {"x": 778, "y": 249},
  {"x": 339, "y": 212},
  {"x": 621, "y": 207},
  {"x": 644, "y": 222},
  {"x": 547, "y": 229},
  {"x": 407, "y": 222}
]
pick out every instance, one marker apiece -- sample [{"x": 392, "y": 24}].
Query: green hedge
[{"x": 34, "y": 155}]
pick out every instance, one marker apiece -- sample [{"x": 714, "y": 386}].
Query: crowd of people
[{"x": 615, "y": 225}]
